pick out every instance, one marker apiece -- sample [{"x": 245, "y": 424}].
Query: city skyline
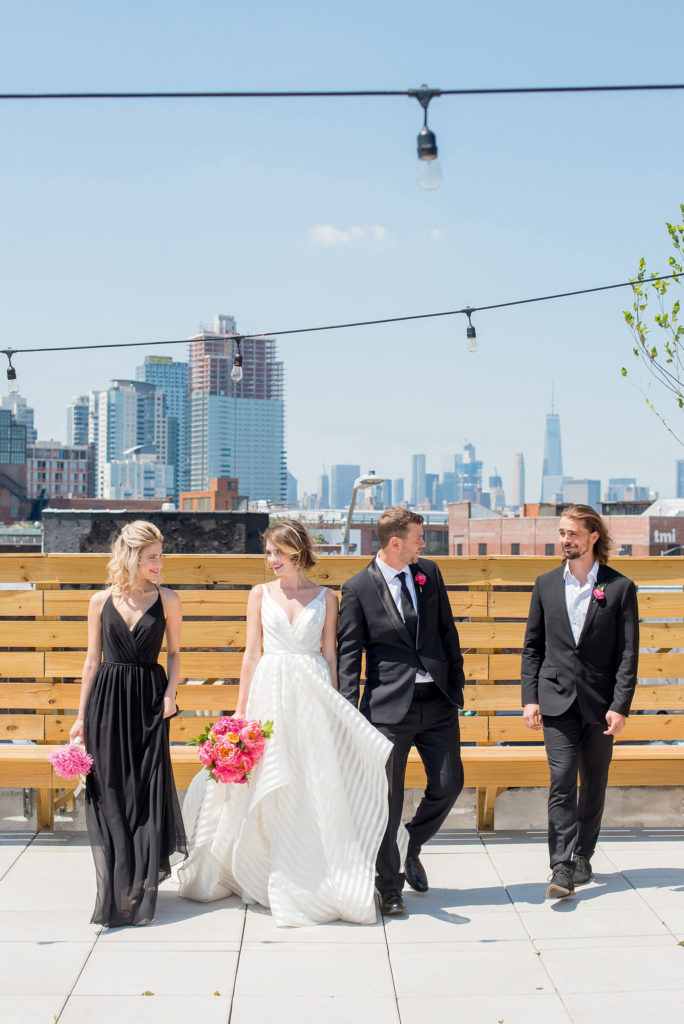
[{"x": 127, "y": 221}]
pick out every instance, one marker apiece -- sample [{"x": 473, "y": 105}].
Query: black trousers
[
  {"x": 574, "y": 745},
  {"x": 431, "y": 725}
]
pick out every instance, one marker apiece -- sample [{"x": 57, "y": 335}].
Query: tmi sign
[{"x": 664, "y": 537}]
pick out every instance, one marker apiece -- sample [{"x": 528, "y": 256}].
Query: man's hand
[
  {"x": 532, "y": 716},
  {"x": 616, "y": 723}
]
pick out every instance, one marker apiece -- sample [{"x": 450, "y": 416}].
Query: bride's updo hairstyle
[
  {"x": 293, "y": 539},
  {"x": 122, "y": 570}
]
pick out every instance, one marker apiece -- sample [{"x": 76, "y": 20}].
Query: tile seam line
[
  {"x": 535, "y": 952},
  {"x": 391, "y": 969},
  {"x": 645, "y": 902},
  {"x": 19, "y": 856},
  {"x": 237, "y": 965}
]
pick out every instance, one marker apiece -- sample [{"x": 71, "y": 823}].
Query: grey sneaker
[
  {"x": 581, "y": 873},
  {"x": 561, "y": 883}
]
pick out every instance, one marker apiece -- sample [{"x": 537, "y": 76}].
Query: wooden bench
[{"x": 43, "y": 639}]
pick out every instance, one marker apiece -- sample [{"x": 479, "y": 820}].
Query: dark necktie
[{"x": 409, "y": 612}]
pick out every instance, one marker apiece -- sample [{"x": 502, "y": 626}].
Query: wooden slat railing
[{"x": 43, "y": 637}]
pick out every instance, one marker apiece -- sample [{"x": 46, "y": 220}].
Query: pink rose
[
  {"x": 205, "y": 752},
  {"x": 599, "y": 593},
  {"x": 420, "y": 579},
  {"x": 251, "y": 734},
  {"x": 225, "y": 724},
  {"x": 222, "y": 773}
]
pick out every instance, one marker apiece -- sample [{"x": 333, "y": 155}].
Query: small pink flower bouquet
[
  {"x": 72, "y": 762},
  {"x": 231, "y": 747}
]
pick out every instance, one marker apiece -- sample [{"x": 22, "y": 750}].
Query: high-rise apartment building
[
  {"x": 583, "y": 492},
  {"x": 518, "y": 480},
  {"x": 237, "y": 428},
  {"x": 342, "y": 477},
  {"x": 172, "y": 378},
  {"x": 398, "y": 490},
  {"x": 552, "y": 469},
  {"x": 22, "y": 413},
  {"x": 77, "y": 420},
  {"x": 128, "y": 420},
  {"x": 386, "y": 494},
  {"x": 418, "y": 483},
  {"x": 60, "y": 470}
]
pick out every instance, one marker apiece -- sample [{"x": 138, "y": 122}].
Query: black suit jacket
[
  {"x": 370, "y": 621},
  {"x": 600, "y": 670}
]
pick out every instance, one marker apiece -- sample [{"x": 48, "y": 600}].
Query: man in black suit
[
  {"x": 398, "y": 612},
  {"x": 579, "y": 671}
]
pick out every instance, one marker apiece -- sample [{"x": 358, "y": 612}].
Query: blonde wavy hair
[{"x": 122, "y": 569}]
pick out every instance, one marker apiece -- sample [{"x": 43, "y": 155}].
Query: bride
[{"x": 302, "y": 837}]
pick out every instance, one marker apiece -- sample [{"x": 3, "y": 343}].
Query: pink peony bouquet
[
  {"x": 72, "y": 762},
  {"x": 231, "y": 747}
]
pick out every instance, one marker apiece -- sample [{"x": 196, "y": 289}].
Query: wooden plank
[
  {"x": 22, "y": 665},
  {"x": 639, "y": 728},
  {"x": 25, "y": 766},
  {"x": 22, "y": 727},
  {"x": 196, "y": 603},
  {"x": 18, "y": 603},
  {"x": 661, "y": 634},
  {"x": 491, "y": 634},
  {"x": 42, "y": 696},
  {"x": 651, "y": 666}
]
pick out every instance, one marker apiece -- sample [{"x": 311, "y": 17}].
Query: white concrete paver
[{"x": 482, "y": 945}]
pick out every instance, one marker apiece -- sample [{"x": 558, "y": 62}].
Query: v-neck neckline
[
  {"x": 132, "y": 629},
  {"x": 300, "y": 613}
]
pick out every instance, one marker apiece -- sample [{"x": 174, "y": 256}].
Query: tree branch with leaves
[{"x": 661, "y": 353}]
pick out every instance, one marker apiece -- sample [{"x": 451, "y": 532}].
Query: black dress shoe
[
  {"x": 561, "y": 884},
  {"x": 415, "y": 874},
  {"x": 581, "y": 873},
  {"x": 391, "y": 902}
]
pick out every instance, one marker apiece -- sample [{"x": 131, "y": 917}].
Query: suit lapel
[
  {"x": 419, "y": 595},
  {"x": 388, "y": 604},
  {"x": 563, "y": 607},
  {"x": 593, "y": 604}
]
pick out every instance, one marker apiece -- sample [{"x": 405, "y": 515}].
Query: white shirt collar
[
  {"x": 591, "y": 575},
  {"x": 387, "y": 571}
]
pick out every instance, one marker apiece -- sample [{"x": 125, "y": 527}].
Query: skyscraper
[
  {"x": 418, "y": 491},
  {"x": 237, "y": 428},
  {"x": 552, "y": 469},
  {"x": 518, "y": 480},
  {"x": 172, "y": 378},
  {"x": 342, "y": 477},
  {"x": 126, "y": 421},
  {"x": 679, "y": 482},
  {"x": 324, "y": 489},
  {"x": 22, "y": 412},
  {"x": 77, "y": 420},
  {"x": 398, "y": 490}
]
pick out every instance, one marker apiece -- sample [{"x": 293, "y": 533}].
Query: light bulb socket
[
  {"x": 12, "y": 385},
  {"x": 427, "y": 144},
  {"x": 236, "y": 372}
]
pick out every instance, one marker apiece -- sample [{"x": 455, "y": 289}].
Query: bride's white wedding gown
[{"x": 302, "y": 837}]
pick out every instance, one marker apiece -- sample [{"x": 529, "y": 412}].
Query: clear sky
[{"x": 127, "y": 221}]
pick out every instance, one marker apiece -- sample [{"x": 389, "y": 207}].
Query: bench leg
[
  {"x": 45, "y": 810},
  {"x": 484, "y": 810}
]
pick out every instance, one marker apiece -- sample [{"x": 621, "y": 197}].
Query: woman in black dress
[{"x": 132, "y": 811}]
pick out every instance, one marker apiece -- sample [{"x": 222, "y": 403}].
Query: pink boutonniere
[
  {"x": 599, "y": 592},
  {"x": 420, "y": 579}
]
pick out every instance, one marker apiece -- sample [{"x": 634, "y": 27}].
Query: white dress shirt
[
  {"x": 391, "y": 577},
  {"x": 577, "y": 597}
]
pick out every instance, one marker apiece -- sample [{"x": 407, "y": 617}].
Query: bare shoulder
[
  {"x": 255, "y": 594},
  {"x": 331, "y": 598},
  {"x": 98, "y": 601},
  {"x": 170, "y": 599}
]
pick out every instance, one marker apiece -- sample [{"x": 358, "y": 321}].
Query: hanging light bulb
[
  {"x": 471, "y": 336},
  {"x": 236, "y": 372},
  {"x": 12, "y": 383},
  {"x": 430, "y": 172}
]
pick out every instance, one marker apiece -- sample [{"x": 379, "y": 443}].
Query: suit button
[{"x": 576, "y": 651}]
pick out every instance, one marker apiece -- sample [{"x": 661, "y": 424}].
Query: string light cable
[
  {"x": 236, "y": 372},
  {"x": 429, "y": 174}
]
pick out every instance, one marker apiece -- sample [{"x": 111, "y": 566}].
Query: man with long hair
[{"x": 579, "y": 671}]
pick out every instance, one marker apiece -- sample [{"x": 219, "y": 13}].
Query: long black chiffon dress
[{"x": 132, "y": 812}]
